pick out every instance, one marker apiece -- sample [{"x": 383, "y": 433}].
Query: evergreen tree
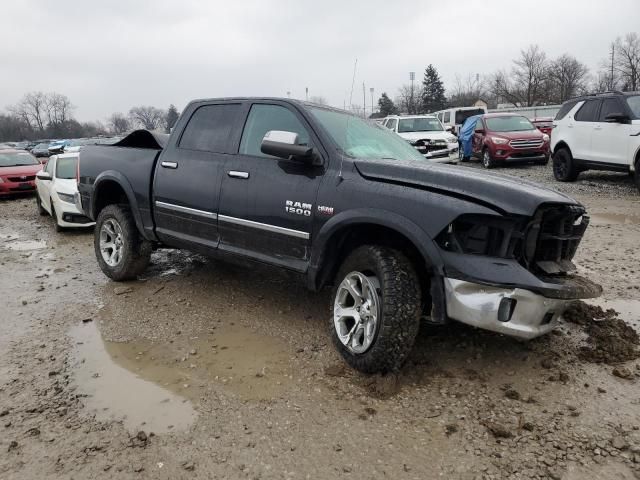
[
  {"x": 172, "y": 117},
  {"x": 386, "y": 106},
  {"x": 433, "y": 98}
]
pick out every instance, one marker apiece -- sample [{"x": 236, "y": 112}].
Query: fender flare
[
  {"x": 384, "y": 218},
  {"x": 122, "y": 182}
]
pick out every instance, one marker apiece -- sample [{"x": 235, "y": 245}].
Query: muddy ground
[{"x": 206, "y": 370}]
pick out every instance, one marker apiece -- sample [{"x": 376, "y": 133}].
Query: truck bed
[{"x": 131, "y": 162}]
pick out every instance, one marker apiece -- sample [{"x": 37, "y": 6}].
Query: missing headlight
[{"x": 483, "y": 235}]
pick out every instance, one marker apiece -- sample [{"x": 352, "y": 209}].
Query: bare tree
[
  {"x": 118, "y": 123},
  {"x": 148, "y": 117},
  {"x": 627, "y": 61},
  {"x": 32, "y": 109},
  {"x": 503, "y": 89},
  {"x": 529, "y": 75},
  {"x": 409, "y": 99},
  {"x": 58, "y": 107},
  {"x": 567, "y": 78},
  {"x": 467, "y": 91}
]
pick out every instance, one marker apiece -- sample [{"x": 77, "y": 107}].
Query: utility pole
[
  {"x": 364, "y": 102},
  {"x": 613, "y": 50},
  {"x": 412, "y": 77},
  {"x": 288, "y": 93},
  {"x": 371, "y": 90},
  {"x": 306, "y": 90}
]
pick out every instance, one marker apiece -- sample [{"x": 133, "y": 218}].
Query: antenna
[{"x": 353, "y": 81}]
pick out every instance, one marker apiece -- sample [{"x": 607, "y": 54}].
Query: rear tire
[
  {"x": 121, "y": 251},
  {"x": 41, "y": 211},
  {"x": 487, "y": 160},
  {"x": 564, "y": 169},
  {"x": 380, "y": 336}
]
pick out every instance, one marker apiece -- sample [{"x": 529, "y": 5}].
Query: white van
[
  {"x": 427, "y": 135},
  {"x": 453, "y": 118}
]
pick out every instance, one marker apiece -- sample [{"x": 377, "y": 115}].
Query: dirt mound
[
  {"x": 611, "y": 340},
  {"x": 582, "y": 313}
]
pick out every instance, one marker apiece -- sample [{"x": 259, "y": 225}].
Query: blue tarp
[{"x": 466, "y": 134}]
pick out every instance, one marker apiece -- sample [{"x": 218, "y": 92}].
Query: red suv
[{"x": 505, "y": 137}]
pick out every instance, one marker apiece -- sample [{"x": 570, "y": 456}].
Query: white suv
[
  {"x": 427, "y": 135},
  {"x": 597, "y": 132}
]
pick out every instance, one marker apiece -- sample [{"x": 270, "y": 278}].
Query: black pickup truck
[{"x": 343, "y": 202}]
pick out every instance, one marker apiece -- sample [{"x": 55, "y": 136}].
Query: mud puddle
[
  {"x": 614, "y": 219},
  {"x": 117, "y": 392}
]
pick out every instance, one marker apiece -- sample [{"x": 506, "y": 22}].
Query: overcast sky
[{"x": 110, "y": 55}]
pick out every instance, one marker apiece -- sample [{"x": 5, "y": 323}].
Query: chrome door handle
[
  {"x": 173, "y": 165},
  {"x": 236, "y": 174}
]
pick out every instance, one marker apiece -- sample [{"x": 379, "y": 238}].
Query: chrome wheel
[
  {"x": 486, "y": 159},
  {"x": 111, "y": 242},
  {"x": 356, "y": 311}
]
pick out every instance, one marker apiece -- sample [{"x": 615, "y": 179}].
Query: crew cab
[
  {"x": 427, "y": 135},
  {"x": 499, "y": 138},
  {"x": 597, "y": 132},
  {"x": 341, "y": 202}
]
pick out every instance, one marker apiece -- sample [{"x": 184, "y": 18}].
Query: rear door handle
[
  {"x": 236, "y": 174},
  {"x": 173, "y": 165}
]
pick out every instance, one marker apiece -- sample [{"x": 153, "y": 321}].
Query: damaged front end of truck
[{"x": 514, "y": 274}]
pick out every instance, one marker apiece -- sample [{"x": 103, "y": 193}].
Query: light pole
[
  {"x": 306, "y": 89},
  {"x": 412, "y": 77},
  {"x": 288, "y": 94},
  {"x": 371, "y": 90}
]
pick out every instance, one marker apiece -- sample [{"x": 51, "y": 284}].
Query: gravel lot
[{"x": 205, "y": 370}]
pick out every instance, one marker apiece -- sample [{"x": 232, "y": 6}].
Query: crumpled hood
[
  {"x": 413, "y": 136},
  {"x": 502, "y": 192}
]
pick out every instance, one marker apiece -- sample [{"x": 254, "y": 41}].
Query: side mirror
[
  {"x": 284, "y": 144},
  {"x": 616, "y": 117},
  {"x": 42, "y": 175}
]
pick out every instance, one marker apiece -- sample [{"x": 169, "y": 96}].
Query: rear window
[
  {"x": 66, "y": 167},
  {"x": 588, "y": 112},
  {"x": 564, "y": 109},
  {"x": 462, "y": 115},
  {"x": 634, "y": 105},
  {"x": 210, "y": 127}
]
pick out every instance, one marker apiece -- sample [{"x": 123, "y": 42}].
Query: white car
[
  {"x": 56, "y": 188},
  {"x": 427, "y": 135},
  {"x": 597, "y": 132}
]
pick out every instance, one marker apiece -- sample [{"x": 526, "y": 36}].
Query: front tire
[
  {"x": 487, "y": 160},
  {"x": 375, "y": 309},
  {"x": 121, "y": 251},
  {"x": 564, "y": 169},
  {"x": 54, "y": 215},
  {"x": 636, "y": 175},
  {"x": 41, "y": 211}
]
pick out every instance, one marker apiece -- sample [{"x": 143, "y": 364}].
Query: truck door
[
  {"x": 186, "y": 186},
  {"x": 267, "y": 204}
]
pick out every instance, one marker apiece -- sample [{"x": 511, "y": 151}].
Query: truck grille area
[{"x": 554, "y": 237}]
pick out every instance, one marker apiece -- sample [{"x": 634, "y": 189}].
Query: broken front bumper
[{"x": 516, "y": 312}]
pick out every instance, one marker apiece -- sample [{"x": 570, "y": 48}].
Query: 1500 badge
[{"x": 298, "y": 208}]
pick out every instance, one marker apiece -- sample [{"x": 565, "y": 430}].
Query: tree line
[
  {"x": 532, "y": 79},
  {"x": 40, "y": 115}
]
